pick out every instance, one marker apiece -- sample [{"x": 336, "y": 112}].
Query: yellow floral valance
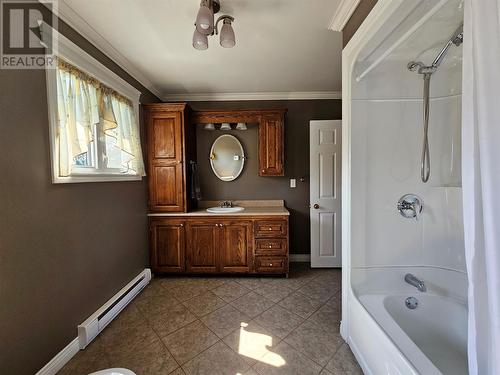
[{"x": 65, "y": 66}]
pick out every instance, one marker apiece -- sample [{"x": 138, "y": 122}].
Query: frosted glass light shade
[
  {"x": 200, "y": 41},
  {"x": 209, "y": 126},
  {"x": 241, "y": 126},
  {"x": 225, "y": 126},
  {"x": 227, "y": 38},
  {"x": 205, "y": 20}
]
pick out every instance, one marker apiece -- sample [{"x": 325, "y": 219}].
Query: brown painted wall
[
  {"x": 64, "y": 249},
  {"x": 249, "y": 185},
  {"x": 357, "y": 18}
]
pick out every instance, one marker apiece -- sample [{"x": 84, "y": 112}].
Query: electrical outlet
[{"x": 293, "y": 182}]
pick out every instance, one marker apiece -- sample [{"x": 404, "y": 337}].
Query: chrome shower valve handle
[{"x": 410, "y": 206}]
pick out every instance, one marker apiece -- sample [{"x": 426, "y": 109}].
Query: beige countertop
[{"x": 252, "y": 208}]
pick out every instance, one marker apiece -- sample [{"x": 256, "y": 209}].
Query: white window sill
[{"x": 94, "y": 178}]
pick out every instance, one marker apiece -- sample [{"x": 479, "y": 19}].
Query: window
[{"x": 95, "y": 132}]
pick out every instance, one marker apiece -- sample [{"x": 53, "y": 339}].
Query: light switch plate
[{"x": 293, "y": 182}]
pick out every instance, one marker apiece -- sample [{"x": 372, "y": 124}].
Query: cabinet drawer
[
  {"x": 271, "y": 228},
  {"x": 274, "y": 246},
  {"x": 271, "y": 264}
]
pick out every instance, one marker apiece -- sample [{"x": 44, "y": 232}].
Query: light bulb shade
[
  {"x": 225, "y": 126},
  {"x": 209, "y": 126},
  {"x": 241, "y": 126},
  {"x": 205, "y": 20},
  {"x": 227, "y": 38},
  {"x": 200, "y": 41}
]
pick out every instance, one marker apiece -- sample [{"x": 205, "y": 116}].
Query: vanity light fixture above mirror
[{"x": 225, "y": 126}]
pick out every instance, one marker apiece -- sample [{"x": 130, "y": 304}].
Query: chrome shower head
[{"x": 457, "y": 39}]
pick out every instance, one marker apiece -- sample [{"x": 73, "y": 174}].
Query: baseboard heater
[{"x": 90, "y": 328}]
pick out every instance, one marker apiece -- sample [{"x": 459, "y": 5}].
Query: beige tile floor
[{"x": 227, "y": 325}]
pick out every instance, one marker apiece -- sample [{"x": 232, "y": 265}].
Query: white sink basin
[{"x": 224, "y": 210}]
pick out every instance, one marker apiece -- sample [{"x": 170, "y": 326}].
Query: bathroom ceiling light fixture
[
  {"x": 209, "y": 126},
  {"x": 204, "y": 26},
  {"x": 200, "y": 41},
  {"x": 225, "y": 126},
  {"x": 241, "y": 126}
]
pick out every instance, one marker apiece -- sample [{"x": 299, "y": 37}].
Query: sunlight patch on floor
[{"x": 256, "y": 345}]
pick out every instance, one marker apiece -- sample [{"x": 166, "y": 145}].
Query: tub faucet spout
[{"x": 417, "y": 283}]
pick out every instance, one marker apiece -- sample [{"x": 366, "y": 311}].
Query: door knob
[{"x": 316, "y": 206}]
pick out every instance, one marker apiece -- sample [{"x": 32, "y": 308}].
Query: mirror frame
[{"x": 242, "y": 157}]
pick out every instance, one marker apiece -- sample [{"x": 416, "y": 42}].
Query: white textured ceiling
[{"x": 282, "y": 45}]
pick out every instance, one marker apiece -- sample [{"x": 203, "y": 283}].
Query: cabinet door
[
  {"x": 165, "y": 156},
  {"x": 167, "y": 246},
  {"x": 271, "y": 145},
  {"x": 202, "y": 245},
  {"x": 236, "y": 246}
]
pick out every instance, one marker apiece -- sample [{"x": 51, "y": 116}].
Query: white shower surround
[{"x": 382, "y": 115}]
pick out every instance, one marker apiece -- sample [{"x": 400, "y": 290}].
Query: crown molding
[
  {"x": 73, "y": 19},
  {"x": 344, "y": 11},
  {"x": 301, "y": 95}
]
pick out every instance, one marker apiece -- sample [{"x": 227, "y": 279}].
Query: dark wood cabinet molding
[{"x": 234, "y": 115}]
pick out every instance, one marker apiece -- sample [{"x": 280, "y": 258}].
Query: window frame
[{"x": 88, "y": 64}]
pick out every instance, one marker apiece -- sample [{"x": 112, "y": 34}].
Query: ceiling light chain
[{"x": 204, "y": 26}]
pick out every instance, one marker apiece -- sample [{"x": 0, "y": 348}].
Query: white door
[{"x": 325, "y": 187}]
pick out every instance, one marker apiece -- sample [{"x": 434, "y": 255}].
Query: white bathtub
[
  {"x": 389, "y": 338},
  {"x": 433, "y": 337}
]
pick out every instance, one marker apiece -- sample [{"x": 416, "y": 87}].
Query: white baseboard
[
  {"x": 60, "y": 359},
  {"x": 300, "y": 258},
  {"x": 64, "y": 356}
]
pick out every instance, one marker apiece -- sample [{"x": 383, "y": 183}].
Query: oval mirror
[{"x": 227, "y": 157}]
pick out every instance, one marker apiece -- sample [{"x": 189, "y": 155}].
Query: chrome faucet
[
  {"x": 417, "y": 283},
  {"x": 226, "y": 204}
]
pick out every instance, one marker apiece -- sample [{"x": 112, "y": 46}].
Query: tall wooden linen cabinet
[{"x": 171, "y": 145}]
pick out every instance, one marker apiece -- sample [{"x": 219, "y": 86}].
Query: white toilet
[{"x": 114, "y": 371}]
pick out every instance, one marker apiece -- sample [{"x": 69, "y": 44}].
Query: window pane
[{"x": 87, "y": 158}]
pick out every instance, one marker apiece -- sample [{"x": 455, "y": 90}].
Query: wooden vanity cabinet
[
  {"x": 168, "y": 239},
  {"x": 218, "y": 245},
  {"x": 236, "y": 244},
  {"x": 202, "y": 246},
  {"x": 169, "y": 149}
]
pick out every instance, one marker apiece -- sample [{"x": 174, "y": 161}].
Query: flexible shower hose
[{"x": 425, "y": 164}]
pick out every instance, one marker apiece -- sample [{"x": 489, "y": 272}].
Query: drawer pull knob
[
  {"x": 270, "y": 228},
  {"x": 270, "y": 246},
  {"x": 270, "y": 264}
]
